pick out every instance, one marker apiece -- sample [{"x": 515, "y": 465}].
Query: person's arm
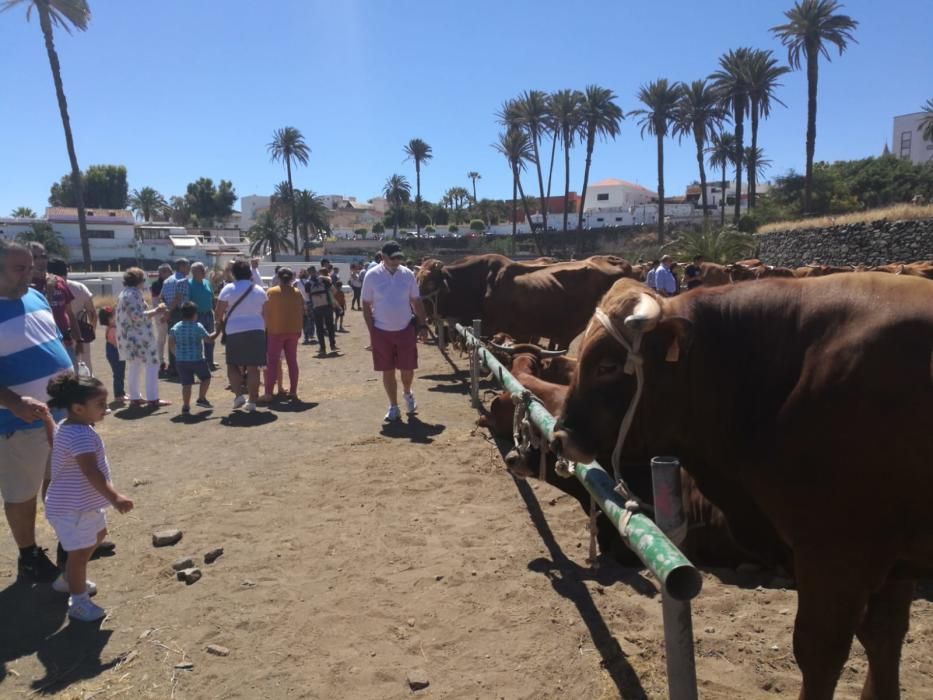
[
  {"x": 219, "y": 312},
  {"x": 171, "y": 342},
  {"x": 87, "y": 462},
  {"x": 26, "y": 408}
]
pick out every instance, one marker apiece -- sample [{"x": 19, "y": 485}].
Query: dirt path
[{"x": 356, "y": 554}]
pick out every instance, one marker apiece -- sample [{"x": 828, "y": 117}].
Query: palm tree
[
  {"x": 661, "y": 99},
  {"x": 565, "y": 116},
  {"x": 532, "y": 110},
  {"x": 474, "y": 176},
  {"x": 756, "y": 161},
  {"x": 23, "y": 213},
  {"x": 420, "y": 152},
  {"x": 311, "y": 214},
  {"x": 731, "y": 80},
  {"x": 599, "y": 116},
  {"x": 699, "y": 114},
  {"x": 64, "y": 14},
  {"x": 763, "y": 74},
  {"x": 287, "y": 145},
  {"x": 926, "y": 123},
  {"x": 515, "y": 145},
  {"x": 147, "y": 202},
  {"x": 811, "y": 26},
  {"x": 398, "y": 191},
  {"x": 43, "y": 233},
  {"x": 268, "y": 234},
  {"x": 280, "y": 203},
  {"x": 721, "y": 155},
  {"x": 719, "y": 246}
]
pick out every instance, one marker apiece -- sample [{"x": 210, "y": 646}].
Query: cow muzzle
[{"x": 562, "y": 443}]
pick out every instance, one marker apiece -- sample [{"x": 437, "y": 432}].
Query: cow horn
[
  {"x": 646, "y": 314},
  {"x": 553, "y": 353},
  {"x": 507, "y": 349}
]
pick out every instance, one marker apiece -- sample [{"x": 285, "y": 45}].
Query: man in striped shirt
[
  {"x": 31, "y": 353},
  {"x": 174, "y": 294}
]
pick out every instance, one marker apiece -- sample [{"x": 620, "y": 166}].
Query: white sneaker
[
  {"x": 60, "y": 585},
  {"x": 410, "y": 403},
  {"x": 250, "y": 407},
  {"x": 394, "y": 414},
  {"x": 84, "y": 610},
  {"x": 238, "y": 401}
]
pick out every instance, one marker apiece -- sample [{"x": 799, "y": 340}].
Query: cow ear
[{"x": 675, "y": 334}]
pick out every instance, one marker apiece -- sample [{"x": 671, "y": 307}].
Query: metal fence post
[
  {"x": 678, "y": 625},
  {"x": 475, "y": 365}
]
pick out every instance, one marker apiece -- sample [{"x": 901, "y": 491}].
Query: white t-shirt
[
  {"x": 248, "y": 314},
  {"x": 391, "y": 296},
  {"x": 81, "y": 295}
]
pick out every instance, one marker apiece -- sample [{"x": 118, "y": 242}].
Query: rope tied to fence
[{"x": 524, "y": 434}]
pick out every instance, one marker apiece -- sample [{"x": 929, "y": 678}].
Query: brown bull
[
  {"x": 803, "y": 408},
  {"x": 916, "y": 269},
  {"x": 814, "y": 270},
  {"x": 553, "y": 301}
]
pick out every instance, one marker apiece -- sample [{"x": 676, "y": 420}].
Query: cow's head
[
  {"x": 605, "y": 381},
  {"x": 433, "y": 283}
]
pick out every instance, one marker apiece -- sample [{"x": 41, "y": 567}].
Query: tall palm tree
[
  {"x": 287, "y": 145},
  {"x": 731, "y": 80},
  {"x": 554, "y": 132},
  {"x": 474, "y": 176},
  {"x": 280, "y": 203},
  {"x": 661, "y": 99},
  {"x": 268, "y": 235},
  {"x": 147, "y": 202},
  {"x": 312, "y": 215},
  {"x": 812, "y": 25},
  {"x": 756, "y": 161},
  {"x": 23, "y": 213},
  {"x": 515, "y": 145},
  {"x": 699, "y": 114},
  {"x": 926, "y": 123},
  {"x": 532, "y": 108},
  {"x": 565, "y": 116},
  {"x": 721, "y": 155},
  {"x": 763, "y": 73},
  {"x": 599, "y": 116},
  {"x": 420, "y": 152},
  {"x": 64, "y": 14},
  {"x": 397, "y": 190}
]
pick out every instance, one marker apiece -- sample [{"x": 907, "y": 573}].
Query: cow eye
[{"x": 604, "y": 369}]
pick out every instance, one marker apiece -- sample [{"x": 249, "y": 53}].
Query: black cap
[{"x": 392, "y": 250}]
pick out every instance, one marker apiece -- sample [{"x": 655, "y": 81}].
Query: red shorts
[{"x": 395, "y": 349}]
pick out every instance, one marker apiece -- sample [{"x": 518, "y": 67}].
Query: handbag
[
  {"x": 223, "y": 325},
  {"x": 85, "y": 329}
]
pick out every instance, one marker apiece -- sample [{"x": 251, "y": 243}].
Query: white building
[
  {"x": 251, "y": 206},
  {"x": 907, "y": 139},
  {"x": 616, "y": 194}
]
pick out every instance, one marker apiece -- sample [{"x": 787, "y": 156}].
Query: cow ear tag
[{"x": 673, "y": 352}]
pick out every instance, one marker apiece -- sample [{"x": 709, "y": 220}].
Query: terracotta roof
[{"x": 614, "y": 182}]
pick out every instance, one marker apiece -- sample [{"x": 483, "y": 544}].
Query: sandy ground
[{"x": 356, "y": 554}]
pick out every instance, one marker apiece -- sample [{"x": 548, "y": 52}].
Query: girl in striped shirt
[{"x": 81, "y": 489}]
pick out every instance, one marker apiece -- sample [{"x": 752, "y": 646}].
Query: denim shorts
[{"x": 187, "y": 371}]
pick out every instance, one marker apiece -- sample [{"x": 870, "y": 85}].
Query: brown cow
[
  {"x": 553, "y": 301},
  {"x": 917, "y": 269},
  {"x": 803, "y": 410},
  {"x": 814, "y": 270}
]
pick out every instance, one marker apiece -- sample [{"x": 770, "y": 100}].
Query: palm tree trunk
[
  {"x": 590, "y": 143},
  {"x": 812, "y": 78},
  {"x": 418, "y": 196},
  {"x": 660, "y": 188},
  {"x": 699, "y": 137},
  {"x": 550, "y": 173},
  {"x": 291, "y": 196},
  {"x": 474, "y": 189},
  {"x": 739, "y": 136},
  {"x": 514, "y": 205},
  {"x": 752, "y": 175},
  {"x": 45, "y": 23},
  {"x": 527, "y": 210},
  {"x": 566, "y": 178},
  {"x": 722, "y": 198},
  {"x": 534, "y": 141}
]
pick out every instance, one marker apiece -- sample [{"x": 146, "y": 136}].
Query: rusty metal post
[{"x": 678, "y": 624}]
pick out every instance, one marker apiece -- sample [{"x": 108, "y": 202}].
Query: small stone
[
  {"x": 141, "y": 482},
  {"x": 774, "y": 647},
  {"x": 418, "y": 679},
  {"x": 184, "y": 666},
  {"x": 411, "y": 621},
  {"x": 186, "y": 563},
  {"x": 213, "y": 555},
  {"x": 248, "y": 584},
  {"x": 473, "y": 573},
  {"x": 784, "y": 611},
  {"x": 710, "y": 630},
  {"x": 217, "y": 650},
  {"x": 166, "y": 538},
  {"x": 439, "y": 577},
  {"x": 189, "y": 576}
]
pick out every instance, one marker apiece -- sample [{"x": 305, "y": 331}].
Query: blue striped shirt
[
  {"x": 175, "y": 286},
  {"x": 31, "y": 353}
]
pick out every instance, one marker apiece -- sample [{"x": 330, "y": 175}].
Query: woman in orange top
[{"x": 284, "y": 321}]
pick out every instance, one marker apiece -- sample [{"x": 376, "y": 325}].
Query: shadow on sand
[{"x": 414, "y": 429}]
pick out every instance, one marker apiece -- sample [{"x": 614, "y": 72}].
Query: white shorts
[{"x": 78, "y": 529}]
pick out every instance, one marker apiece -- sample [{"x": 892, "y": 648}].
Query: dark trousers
[
  {"x": 356, "y": 304},
  {"x": 206, "y": 319},
  {"x": 324, "y": 318},
  {"x": 309, "y": 323},
  {"x": 118, "y": 368}
]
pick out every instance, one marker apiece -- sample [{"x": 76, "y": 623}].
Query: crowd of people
[{"x": 50, "y": 402}]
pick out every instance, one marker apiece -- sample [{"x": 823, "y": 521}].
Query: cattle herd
[{"x": 800, "y": 403}]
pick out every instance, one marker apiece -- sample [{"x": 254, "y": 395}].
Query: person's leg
[
  {"x": 309, "y": 323},
  {"x": 235, "y": 379},
  {"x": 186, "y": 396},
  {"x": 391, "y": 386},
  {"x": 118, "y": 370},
  {"x": 207, "y": 320},
  {"x": 76, "y": 568},
  {"x": 273, "y": 366},
  {"x": 408, "y": 376},
  {"x": 22, "y": 520},
  {"x": 205, "y": 385},
  {"x": 161, "y": 339},
  {"x": 152, "y": 382},
  {"x": 86, "y": 356},
  {"x": 319, "y": 325},
  {"x": 290, "y": 346},
  {"x": 331, "y": 333},
  {"x": 252, "y": 383},
  {"x": 133, "y": 369}
]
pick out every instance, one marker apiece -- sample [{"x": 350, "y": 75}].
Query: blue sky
[{"x": 180, "y": 89}]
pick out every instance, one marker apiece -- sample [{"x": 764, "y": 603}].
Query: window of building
[
  {"x": 599, "y": 219},
  {"x": 604, "y": 197},
  {"x": 618, "y": 218},
  {"x": 97, "y": 233},
  {"x": 906, "y": 138}
]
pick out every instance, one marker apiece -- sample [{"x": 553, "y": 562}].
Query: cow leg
[
  {"x": 882, "y": 634},
  {"x": 829, "y": 608}
]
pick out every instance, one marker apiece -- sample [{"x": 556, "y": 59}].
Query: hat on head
[{"x": 392, "y": 250}]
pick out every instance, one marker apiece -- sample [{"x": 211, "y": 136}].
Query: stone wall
[{"x": 871, "y": 243}]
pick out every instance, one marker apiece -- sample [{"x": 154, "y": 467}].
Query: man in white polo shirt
[{"x": 396, "y": 319}]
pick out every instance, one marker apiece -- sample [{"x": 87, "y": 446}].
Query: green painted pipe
[{"x": 675, "y": 572}]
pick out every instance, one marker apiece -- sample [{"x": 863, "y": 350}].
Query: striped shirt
[
  {"x": 189, "y": 340},
  {"x": 70, "y": 491},
  {"x": 173, "y": 288},
  {"x": 31, "y": 353}
]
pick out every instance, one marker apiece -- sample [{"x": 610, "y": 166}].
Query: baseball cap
[{"x": 392, "y": 250}]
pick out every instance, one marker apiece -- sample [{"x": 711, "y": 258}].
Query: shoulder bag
[{"x": 223, "y": 325}]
